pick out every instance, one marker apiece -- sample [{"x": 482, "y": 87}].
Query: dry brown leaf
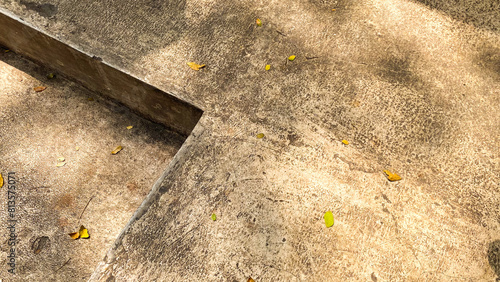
[
  {"x": 39, "y": 88},
  {"x": 118, "y": 149},
  {"x": 195, "y": 66}
]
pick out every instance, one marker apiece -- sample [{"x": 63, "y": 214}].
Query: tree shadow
[
  {"x": 483, "y": 14},
  {"x": 494, "y": 257}
]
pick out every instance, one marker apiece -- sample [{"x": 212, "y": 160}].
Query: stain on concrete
[
  {"x": 39, "y": 244},
  {"x": 45, "y": 10}
]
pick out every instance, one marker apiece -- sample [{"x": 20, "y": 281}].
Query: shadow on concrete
[
  {"x": 152, "y": 132},
  {"x": 484, "y": 14},
  {"x": 494, "y": 257}
]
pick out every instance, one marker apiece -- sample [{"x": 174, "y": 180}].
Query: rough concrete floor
[
  {"x": 414, "y": 86},
  {"x": 38, "y": 128}
]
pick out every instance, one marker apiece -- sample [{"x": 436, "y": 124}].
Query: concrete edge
[{"x": 97, "y": 75}]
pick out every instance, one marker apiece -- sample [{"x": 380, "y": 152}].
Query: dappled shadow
[
  {"x": 484, "y": 14},
  {"x": 494, "y": 257}
]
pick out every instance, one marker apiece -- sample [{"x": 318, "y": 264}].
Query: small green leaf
[
  {"x": 51, "y": 76},
  {"x": 328, "y": 219},
  {"x": 214, "y": 217}
]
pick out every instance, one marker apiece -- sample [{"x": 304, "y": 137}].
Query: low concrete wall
[{"x": 98, "y": 76}]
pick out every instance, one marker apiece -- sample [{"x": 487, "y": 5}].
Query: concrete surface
[
  {"x": 38, "y": 128},
  {"x": 413, "y": 86}
]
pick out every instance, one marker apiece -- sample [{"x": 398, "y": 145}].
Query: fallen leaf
[
  {"x": 83, "y": 233},
  {"x": 258, "y": 22},
  {"x": 39, "y": 88},
  {"x": 250, "y": 279},
  {"x": 1, "y": 181},
  {"x": 260, "y": 135},
  {"x": 392, "y": 176},
  {"x": 7, "y": 51},
  {"x": 77, "y": 148},
  {"x": 345, "y": 142},
  {"x": 291, "y": 58},
  {"x": 214, "y": 217},
  {"x": 60, "y": 164},
  {"x": 51, "y": 76},
  {"x": 195, "y": 66},
  {"x": 328, "y": 219},
  {"x": 333, "y": 10},
  {"x": 90, "y": 99},
  {"x": 61, "y": 159},
  {"x": 130, "y": 127},
  {"x": 118, "y": 149},
  {"x": 74, "y": 235},
  {"x": 268, "y": 67}
]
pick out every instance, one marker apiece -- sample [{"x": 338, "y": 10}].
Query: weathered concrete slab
[{"x": 414, "y": 90}]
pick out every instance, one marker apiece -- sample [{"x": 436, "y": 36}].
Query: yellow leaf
[
  {"x": 90, "y": 99},
  {"x": 260, "y": 135},
  {"x": 77, "y": 148},
  {"x": 392, "y": 176},
  {"x": 195, "y": 66},
  {"x": 130, "y": 127},
  {"x": 39, "y": 88},
  {"x": 250, "y": 279},
  {"x": 345, "y": 142},
  {"x": 74, "y": 235},
  {"x": 60, "y": 164},
  {"x": 291, "y": 58},
  {"x": 268, "y": 67},
  {"x": 84, "y": 233},
  {"x": 61, "y": 159},
  {"x": 328, "y": 219},
  {"x": 118, "y": 149},
  {"x": 258, "y": 22},
  {"x": 1, "y": 181},
  {"x": 333, "y": 10}
]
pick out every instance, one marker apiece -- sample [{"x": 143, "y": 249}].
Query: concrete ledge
[{"x": 93, "y": 73}]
